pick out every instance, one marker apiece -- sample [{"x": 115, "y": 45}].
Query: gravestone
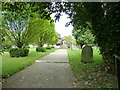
[{"x": 87, "y": 54}]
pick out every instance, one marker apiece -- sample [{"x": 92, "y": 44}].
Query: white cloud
[{"x": 60, "y": 26}]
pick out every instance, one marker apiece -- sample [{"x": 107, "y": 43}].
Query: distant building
[{"x": 61, "y": 42}]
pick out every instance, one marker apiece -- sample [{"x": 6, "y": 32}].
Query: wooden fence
[{"x": 117, "y": 62}]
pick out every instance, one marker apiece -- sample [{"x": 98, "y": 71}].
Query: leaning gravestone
[{"x": 87, "y": 54}]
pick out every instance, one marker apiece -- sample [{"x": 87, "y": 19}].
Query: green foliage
[
  {"x": 19, "y": 52},
  {"x": 41, "y": 49},
  {"x": 69, "y": 41},
  {"x": 54, "y": 38},
  {"x": 52, "y": 47},
  {"x": 27, "y": 9},
  {"x": 28, "y": 34},
  {"x": 105, "y": 25},
  {"x": 83, "y": 36},
  {"x": 47, "y": 34},
  {"x": 6, "y": 44},
  {"x": 24, "y": 21},
  {"x": 1, "y": 51},
  {"x": 48, "y": 47},
  {"x": 19, "y": 19}
]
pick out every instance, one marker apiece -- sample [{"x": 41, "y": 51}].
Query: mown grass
[
  {"x": 90, "y": 75},
  {"x": 12, "y": 65}
]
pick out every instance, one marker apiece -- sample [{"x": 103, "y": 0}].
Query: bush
[
  {"x": 52, "y": 47},
  {"x": 19, "y": 52},
  {"x": 48, "y": 47},
  {"x": 41, "y": 49}
]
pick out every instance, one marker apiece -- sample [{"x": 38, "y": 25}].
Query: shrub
[
  {"x": 19, "y": 52},
  {"x": 41, "y": 49},
  {"x": 48, "y": 47},
  {"x": 52, "y": 47}
]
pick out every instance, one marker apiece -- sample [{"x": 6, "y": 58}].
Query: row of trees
[{"x": 25, "y": 23}]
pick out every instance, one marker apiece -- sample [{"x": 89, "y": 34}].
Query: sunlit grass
[{"x": 12, "y": 65}]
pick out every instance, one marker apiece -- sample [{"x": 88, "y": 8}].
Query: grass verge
[
  {"x": 90, "y": 75},
  {"x": 12, "y": 65}
]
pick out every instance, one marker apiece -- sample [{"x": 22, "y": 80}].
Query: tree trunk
[
  {"x": 48, "y": 45},
  {"x": 40, "y": 45},
  {"x": 81, "y": 45},
  {"x": 19, "y": 45}
]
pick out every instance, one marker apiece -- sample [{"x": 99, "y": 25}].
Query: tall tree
[
  {"x": 47, "y": 34},
  {"x": 18, "y": 19}
]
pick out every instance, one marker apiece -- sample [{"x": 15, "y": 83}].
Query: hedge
[
  {"x": 41, "y": 49},
  {"x": 18, "y": 52},
  {"x": 48, "y": 47}
]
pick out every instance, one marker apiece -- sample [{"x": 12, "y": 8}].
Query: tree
[
  {"x": 27, "y": 9},
  {"x": 69, "y": 41},
  {"x": 19, "y": 19},
  {"x": 21, "y": 33},
  {"x": 105, "y": 23},
  {"x": 83, "y": 36},
  {"x": 54, "y": 40},
  {"x": 52, "y": 37},
  {"x": 47, "y": 34},
  {"x": 7, "y": 44}
]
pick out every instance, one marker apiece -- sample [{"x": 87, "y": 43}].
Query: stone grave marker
[{"x": 87, "y": 54}]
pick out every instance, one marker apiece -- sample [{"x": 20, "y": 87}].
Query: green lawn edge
[{"x": 11, "y": 65}]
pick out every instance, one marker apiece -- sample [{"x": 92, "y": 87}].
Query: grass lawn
[
  {"x": 12, "y": 65},
  {"x": 90, "y": 75}
]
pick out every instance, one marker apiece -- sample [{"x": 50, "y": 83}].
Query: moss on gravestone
[{"x": 87, "y": 54}]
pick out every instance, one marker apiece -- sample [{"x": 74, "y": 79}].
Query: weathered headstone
[{"x": 87, "y": 54}]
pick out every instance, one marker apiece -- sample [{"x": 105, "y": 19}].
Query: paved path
[{"x": 51, "y": 71}]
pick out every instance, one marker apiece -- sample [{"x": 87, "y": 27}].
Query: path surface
[{"x": 51, "y": 71}]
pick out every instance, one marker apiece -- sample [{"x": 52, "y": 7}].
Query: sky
[{"x": 60, "y": 26}]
